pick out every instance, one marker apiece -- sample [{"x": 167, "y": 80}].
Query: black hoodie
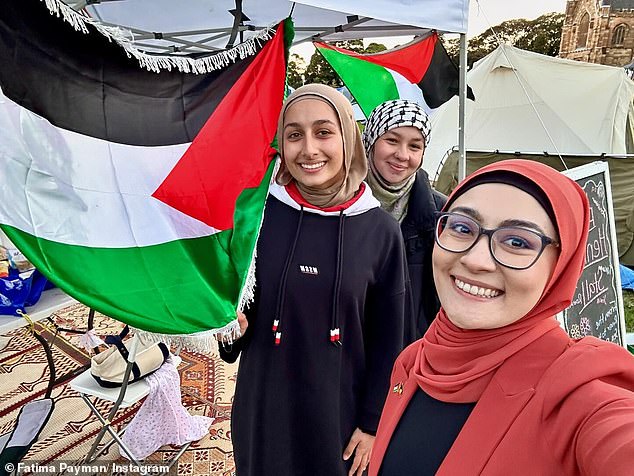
[
  {"x": 298, "y": 402},
  {"x": 418, "y": 232}
]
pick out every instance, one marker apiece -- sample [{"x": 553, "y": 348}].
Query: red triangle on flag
[{"x": 232, "y": 151}]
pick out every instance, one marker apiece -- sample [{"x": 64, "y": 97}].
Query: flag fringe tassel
[
  {"x": 205, "y": 342},
  {"x": 248, "y": 290},
  {"x": 156, "y": 63},
  {"x": 247, "y": 294}
]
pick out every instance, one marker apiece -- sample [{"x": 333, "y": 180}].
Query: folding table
[{"x": 125, "y": 396}]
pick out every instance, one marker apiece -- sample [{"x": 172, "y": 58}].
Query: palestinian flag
[
  {"x": 420, "y": 71},
  {"x": 139, "y": 193}
]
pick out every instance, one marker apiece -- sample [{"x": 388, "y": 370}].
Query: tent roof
[
  {"x": 584, "y": 108},
  {"x": 203, "y": 26}
]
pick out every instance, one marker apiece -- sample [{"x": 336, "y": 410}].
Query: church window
[
  {"x": 618, "y": 36},
  {"x": 582, "y": 31}
]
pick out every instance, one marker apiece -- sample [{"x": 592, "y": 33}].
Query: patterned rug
[{"x": 207, "y": 385}]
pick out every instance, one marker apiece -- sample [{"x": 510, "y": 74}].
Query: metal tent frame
[
  {"x": 229, "y": 26},
  {"x": 165, "y": 27}
]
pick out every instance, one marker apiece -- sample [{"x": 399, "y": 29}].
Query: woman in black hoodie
[
  {"x": 395, "y": 137},
  {"x": 327, "y": 321}
]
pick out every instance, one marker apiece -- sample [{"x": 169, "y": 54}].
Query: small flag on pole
[{"x": 420, "y": 71}]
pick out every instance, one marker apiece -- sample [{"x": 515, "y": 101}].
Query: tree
[
  {"x": 374, "y": 48},
  {"x": 294, "y": 71},
  {"x": 541, "y": 35},
  {"x": 319, "y": 71}
]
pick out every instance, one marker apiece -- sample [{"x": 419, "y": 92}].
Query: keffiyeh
[
  {"x": 392, "y": 114},
  {"x": 394, "y": 197}
]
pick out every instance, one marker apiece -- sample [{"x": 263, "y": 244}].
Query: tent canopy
[
  {"x": 202, "y": 26},
  {"x": 585, "y": 108}
]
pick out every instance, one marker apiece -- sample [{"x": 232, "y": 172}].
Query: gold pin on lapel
[{"x": 398, "y": 388}]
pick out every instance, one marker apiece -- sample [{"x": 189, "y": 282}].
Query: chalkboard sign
[{"x": 597, "y": 307}]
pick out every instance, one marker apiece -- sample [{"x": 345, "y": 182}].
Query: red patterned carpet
[{"x": 207, "y": 386}]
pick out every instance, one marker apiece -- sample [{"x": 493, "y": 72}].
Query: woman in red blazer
[{"x": 495, "y": 386}]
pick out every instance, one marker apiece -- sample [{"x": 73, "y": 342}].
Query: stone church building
[{"x": 599, "y": 31}]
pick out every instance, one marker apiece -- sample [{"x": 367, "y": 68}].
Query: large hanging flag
[
  {"x": 420, "y": 71},
  {"x": 138, "y": 192}
]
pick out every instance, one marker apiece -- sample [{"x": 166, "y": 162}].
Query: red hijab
[{"x": 454, "y": 364}]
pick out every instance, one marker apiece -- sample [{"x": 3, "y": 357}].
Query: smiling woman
[
  {"x": 320, "y": 147},
  {"x": 495, "y": 385},
  {"x": 327, "y": 321},
  {"x": 510, "y": 263},
  {"x": 395, "y": 138},
  {"x": 313, "y": 144}
]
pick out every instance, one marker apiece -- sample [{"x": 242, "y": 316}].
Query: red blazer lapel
[
  {"x": 491, "y": 418},
  {"x": 506, "y": 396},
  {"x": 504, "y": 399}
]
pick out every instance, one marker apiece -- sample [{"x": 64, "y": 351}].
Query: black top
[
  {"x": 418, "y": 232},
  {"x": 424, "y": 436},
  {"x": 296, "y": 404}
]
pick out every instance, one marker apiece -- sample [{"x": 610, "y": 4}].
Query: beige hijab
[{"x": 354, "y": 161}]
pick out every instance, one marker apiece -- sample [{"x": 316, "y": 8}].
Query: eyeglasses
[{"x": 511, "y": 246}]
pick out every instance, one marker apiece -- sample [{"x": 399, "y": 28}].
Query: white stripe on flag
[
  {"x": 407, "y": 90},
  {"x": 76, "y": 189}
]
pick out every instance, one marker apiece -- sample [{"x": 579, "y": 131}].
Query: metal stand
[{"x": 123, "y": 397}]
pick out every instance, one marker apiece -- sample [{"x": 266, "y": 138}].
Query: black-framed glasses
[{"x": 511, "y": 246}]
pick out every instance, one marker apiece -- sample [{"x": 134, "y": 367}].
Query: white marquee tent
[{"x": 584, "y": 108}]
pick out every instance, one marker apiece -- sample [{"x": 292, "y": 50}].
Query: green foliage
[
  {"x": 628, "y": 305},
  {"x": 541, "y": 35},
  {"x": 296, "y": 65},
  {"x": 374, "y": 48},
  {"x": 318, "y": 70}
]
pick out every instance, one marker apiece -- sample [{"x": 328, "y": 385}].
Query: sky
[
  {"x": 482, "y": 15},
  {"x": 496, "y": 11}
]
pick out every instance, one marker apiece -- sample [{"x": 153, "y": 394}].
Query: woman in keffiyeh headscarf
[
  {"x": 496, "y": 386},
  {"x": 327, "y": 322},
  {"x": 395, "y": 137}
]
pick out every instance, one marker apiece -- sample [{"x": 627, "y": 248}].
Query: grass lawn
[{"x": 628, "y": 305}]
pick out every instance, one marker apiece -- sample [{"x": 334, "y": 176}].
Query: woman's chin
[{"x": 462, "y": 323}]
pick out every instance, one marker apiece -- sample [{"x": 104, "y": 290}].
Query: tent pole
[{"x": 462, "y": 99}]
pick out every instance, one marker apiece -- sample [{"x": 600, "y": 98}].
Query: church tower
[{"x": 598, "y": 31}]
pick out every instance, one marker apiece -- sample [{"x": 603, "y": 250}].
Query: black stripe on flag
[
  {"x": 87, "y": 84},
  {"x": 441, "y": 80}
]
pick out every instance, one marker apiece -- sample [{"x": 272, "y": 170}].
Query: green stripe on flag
[
  {"x": 156, "y": 288},
  {"x": 369, "y": 83},
  {"x": 247, "y": 220},
  {"x": 171, "y": 288}
]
